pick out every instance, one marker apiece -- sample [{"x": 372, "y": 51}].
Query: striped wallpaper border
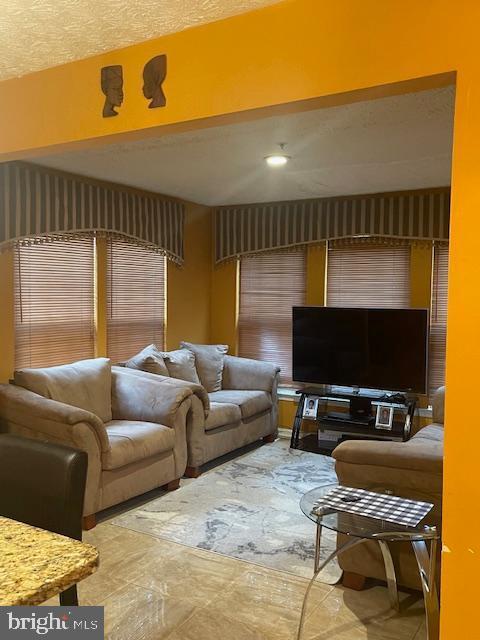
[
  {"x": 38, "y": 204},
  {"x": 253, "y": 228}
]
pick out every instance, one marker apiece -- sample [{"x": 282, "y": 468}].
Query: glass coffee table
[{"x": 423, "y": 538}]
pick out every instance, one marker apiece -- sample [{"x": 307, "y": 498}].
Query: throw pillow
[
  {"x": 86, "y": 384},
  {"x": 209, "y": 360},
  {"x": 149, "y": 359},
  {"x": 181, "y": 364}
]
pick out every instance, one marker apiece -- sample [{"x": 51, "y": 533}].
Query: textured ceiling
[
  {"x": 36, "y": 34},
  {"x": 403, "y": 142}
]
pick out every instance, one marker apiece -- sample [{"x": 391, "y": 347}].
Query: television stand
[
  {"x": 322, "y": 432},
  {"x": 336, "y": 416}
]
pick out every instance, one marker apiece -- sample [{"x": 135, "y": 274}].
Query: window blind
[
  {"x": 438, "y": 323},
  {"x": 270, "y": 285},
  {"x": 54, "y": 302},
  {"x": 368, "y": 275},
  {"x": 135, "y": 299}
]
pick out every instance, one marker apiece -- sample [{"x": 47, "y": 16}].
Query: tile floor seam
[
  {"x": 100, "y": 603},
  {"x": 319, "y": 604},
  {"x": 417, "y": 630},
  {"x": 159, "y": 591},
  {"x": 232, "y": 559},
  {"x": 194, "y": 612}
]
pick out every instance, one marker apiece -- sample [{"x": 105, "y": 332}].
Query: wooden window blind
[
  {"x": 368, "y": 275},
  {"x": 135, "y": 299},
  {"x": 54, "y": 302},
  {"x": 270, "y": 285},
  {"x": 438, "y": 322}
]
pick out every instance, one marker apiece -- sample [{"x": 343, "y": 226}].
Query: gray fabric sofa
[
  {"x": 412, "y": 469},
  {"x": 139, "y": 445},
  {"x": 243, "y": 411}
]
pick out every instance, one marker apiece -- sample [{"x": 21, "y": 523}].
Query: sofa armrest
[
  {"x": 196, "y": 389},
  {"x": 145, "y": 399},
  {"x": 244, "y": 373},
  {"x": 415, "y": 455},
  {"x": 411, "y": 469},
  {"x": 23, "y": 407}
]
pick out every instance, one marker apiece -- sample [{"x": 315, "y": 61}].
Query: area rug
[{"x": 246, "y": 508}]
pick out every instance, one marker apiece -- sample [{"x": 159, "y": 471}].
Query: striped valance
[
  {"x": 38, "y": 203},
  {"x": 243, "y": 229}
]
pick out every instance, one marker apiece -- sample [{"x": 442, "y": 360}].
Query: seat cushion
[
  {"x": 86, "y": 384},
  {"x": 131, "y": 441},
  {"x": 250, "y": 402},
  {"x": 209, "y": 360},
  {"x": 221, "y": 414}
]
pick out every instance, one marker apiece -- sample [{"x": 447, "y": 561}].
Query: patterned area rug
[{"x": 246, "y": 508}]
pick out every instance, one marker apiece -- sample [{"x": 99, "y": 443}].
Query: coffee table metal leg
[
  {"x": 426, "y": 567},
  {"x": 390, "y": 573},
  {"x": 352, "y": 542},
  {"x": 318, "y": 539}
]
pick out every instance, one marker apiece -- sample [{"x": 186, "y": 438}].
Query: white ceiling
[
  {"x": 402, "y": 142},
  {"x": 36, "y": 34}
]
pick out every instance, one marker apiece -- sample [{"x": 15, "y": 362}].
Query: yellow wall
[
  {"x": 7, "y": 316},
  {"x": 421, "y": 256},
  {"x": 224, "y": 305},
  {"x": 188, "y": 286},
  {"x": 286, "y": 413},
  {"x": 101, "y": 297},
  {"x": 304, "y": 50},
  {"x": 316, "y": 258}
]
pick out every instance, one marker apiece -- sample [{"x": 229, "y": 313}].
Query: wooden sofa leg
[
  {"x": 353, "y": 581},
  {"x": 192, "y": 472},
  {"x": 174, "y": 484},
  {"x": 88, "y": 522},
  {"x": 270, "y": 438}
]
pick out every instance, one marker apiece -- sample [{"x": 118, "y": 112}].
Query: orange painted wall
[{"x": 293, "y": 51}]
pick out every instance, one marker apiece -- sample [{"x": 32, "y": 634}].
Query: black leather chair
[{"x": 43, "y": 484}]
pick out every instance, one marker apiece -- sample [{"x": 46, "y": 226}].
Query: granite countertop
[{"x": 36, "y": 564}]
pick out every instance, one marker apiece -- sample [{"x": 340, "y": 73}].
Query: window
[
  {"x": 368, "y": 275},
  {"x": 54, "y": 302},
  {"x": 135, "y": 299},
  {"x": 270, "y": 285},
  {"x": 438, "y": 324}
]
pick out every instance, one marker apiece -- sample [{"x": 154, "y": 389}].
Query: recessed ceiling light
[{"x": 277, "y": 160}]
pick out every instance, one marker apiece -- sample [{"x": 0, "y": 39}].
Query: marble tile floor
[{"x": 153, "y": 589}]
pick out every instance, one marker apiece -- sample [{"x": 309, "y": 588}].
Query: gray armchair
[
  {"x": 412, "y": 469},
  {"x": 140, "y": 447}
]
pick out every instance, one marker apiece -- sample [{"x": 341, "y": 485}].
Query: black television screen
[{"x": 371, "y": 348}]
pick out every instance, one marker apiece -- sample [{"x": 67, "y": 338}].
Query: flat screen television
[{"x": 383, "y": 349}]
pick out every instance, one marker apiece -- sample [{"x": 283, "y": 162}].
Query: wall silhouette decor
[
  {"x": 154, "y": 73},
  {"x": 111, "y": 80}
]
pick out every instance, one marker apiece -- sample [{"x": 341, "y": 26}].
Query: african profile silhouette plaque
[
  {"x": 154, "y": 73},
  {"x": 111, "y": 80}
]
